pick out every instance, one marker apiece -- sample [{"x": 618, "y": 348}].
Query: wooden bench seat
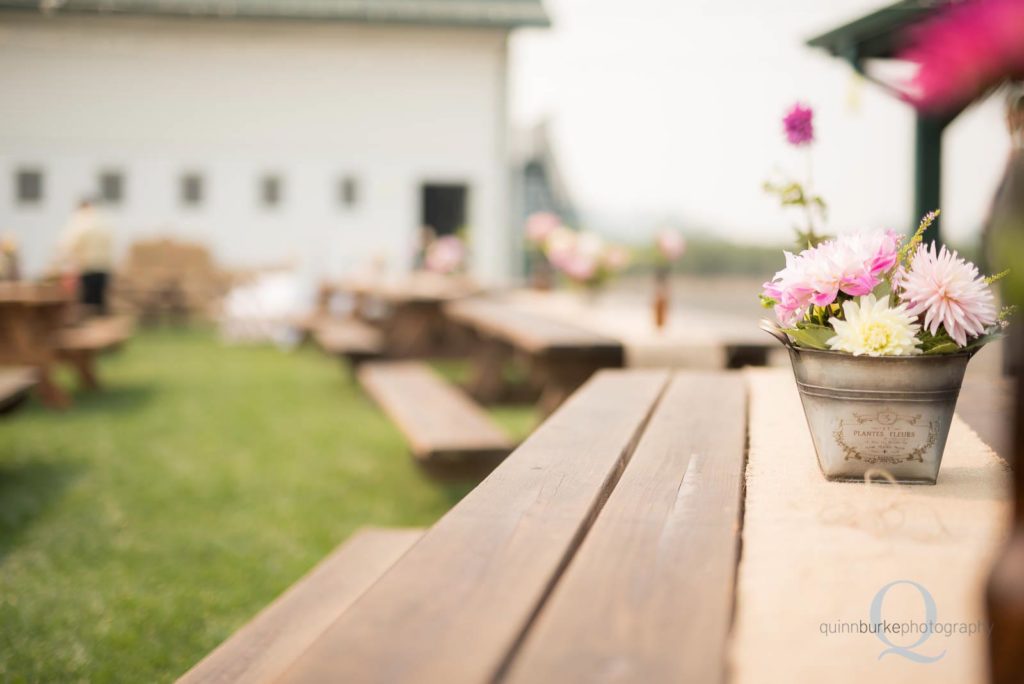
[
  {"x": 350, "y": 339},
  {"x": 15, "y": 384},
  {"x": 79, "y": 345},
  {"x": 96, "y": 335},
  {"x": 448, "y": 433},
  {"x": 262, "y": 649}
]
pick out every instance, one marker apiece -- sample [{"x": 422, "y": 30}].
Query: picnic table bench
[
  {"x": 15, "y": 384},
  {"x": 349, "y": 339},
  {"x": 606, "y": 548},
  {"x": 562, "y": 356},
  {"x": 263, "y": 648},
  {"x": 448, "y": 434},
  {"x": 415, "y": 325}
]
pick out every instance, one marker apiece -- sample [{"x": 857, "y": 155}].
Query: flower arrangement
[
  {"x": 798, "y": 129},
  {"x": 872, "y": 294},
  {"x": 670, "y": 245},
  {"x": 445, "y": 255},
  {"x": 584, "y": 258}
]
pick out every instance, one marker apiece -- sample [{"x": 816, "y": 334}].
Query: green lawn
[{"x": 146, "y": 524}]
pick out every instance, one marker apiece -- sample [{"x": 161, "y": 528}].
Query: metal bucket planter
[{"x": 889, "y": 414}]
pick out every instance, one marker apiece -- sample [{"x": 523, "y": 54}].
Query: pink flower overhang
[{"x": 965, "y": 49}]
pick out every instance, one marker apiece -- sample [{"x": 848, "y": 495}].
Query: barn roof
[{"x": 479, "y": 13}]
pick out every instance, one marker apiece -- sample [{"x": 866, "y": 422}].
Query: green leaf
[
  {"x": 943, "y": 348},
  {"x": 810, "y": 336}
]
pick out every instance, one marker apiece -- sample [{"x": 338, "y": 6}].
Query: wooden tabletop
[
  {"x": 28, "y": 293},
  {"x": 531, "y": 333},
  {"x": 606, "y": 548},
  {"x": 417, "y": 287}
]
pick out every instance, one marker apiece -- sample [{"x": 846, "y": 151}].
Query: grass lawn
[{"x": 146, "y": 524}]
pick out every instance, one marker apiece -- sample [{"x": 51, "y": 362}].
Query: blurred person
[
  {"x": 1005, "y": 224},
  {"x": 86, "y": 249}
]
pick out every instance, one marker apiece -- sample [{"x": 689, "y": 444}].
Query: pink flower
[
  {"x": 580, "y": 266},
  {"x": 964, "y": 50},
  {"x": 445, "y": 254},
  {"x": 850, "y": 264},
  {"x": 798, "y": 125},
  {"x": 671, "y": 244},
  {"x": 540, "y": 225},
  {"x": 949, "y": 292}
]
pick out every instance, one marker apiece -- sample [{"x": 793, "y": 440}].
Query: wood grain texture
[
  {"x": 439, "y": 421},
  {"x": 264, "y": 647},
  {"x": 454, "y": 607},
  {"x": 649, "y": 595},
  {"x": 534, "y": 334}
]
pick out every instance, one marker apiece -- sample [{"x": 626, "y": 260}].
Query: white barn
[{"x": 322, "y": 133}]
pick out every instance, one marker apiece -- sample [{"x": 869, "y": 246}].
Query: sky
[{"x": 671, "y": 110}]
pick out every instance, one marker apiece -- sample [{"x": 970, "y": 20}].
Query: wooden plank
[
  {"x": 453, "y": 608},
  {"x": 98, "y": 334},
  {"x": 349, "y": 337},
  {"x": 534, "y": 334},
  {"x": 648, "y": 597},
  {"x": 262, "y": 649},
  {"x": 437, "y": 419},
  {"x": 15, "y": 384}
]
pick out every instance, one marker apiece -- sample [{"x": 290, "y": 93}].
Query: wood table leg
[
  {"x": 487, "y": 381},
  {"x": 560, "y": 380},
  {"x": 50, "y": 393},
  {"x": 84, "y": 363}
]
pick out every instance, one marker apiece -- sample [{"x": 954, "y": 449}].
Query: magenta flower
[
  {"x": 966, "y": 49},
  {"x": 799, "y": 125}
]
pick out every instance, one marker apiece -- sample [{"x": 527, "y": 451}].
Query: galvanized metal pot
[{"x": 889, "y": 414}]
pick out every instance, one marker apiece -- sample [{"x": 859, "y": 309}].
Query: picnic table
[
  {"x": 562, "y": 356},
  {"x": 31, "y": 317},
  {"x": 35, "y": 331},
  {"x": 606, "y": 548},
  {"x": 414, "y": 325}
]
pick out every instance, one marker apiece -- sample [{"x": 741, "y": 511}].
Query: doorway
[{"x": 443, "y": 207}]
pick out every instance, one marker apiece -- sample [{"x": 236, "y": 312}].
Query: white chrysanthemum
[
  {"x": 949, "y": 292},
  {"x": 873, "y": 328}
]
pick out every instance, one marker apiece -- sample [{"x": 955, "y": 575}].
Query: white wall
[{"x": 393, "y": 106}]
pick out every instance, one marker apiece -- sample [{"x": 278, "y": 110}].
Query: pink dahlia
[
  {"x": 799, "y": 125},
  {"x": 949, "y": 292}
]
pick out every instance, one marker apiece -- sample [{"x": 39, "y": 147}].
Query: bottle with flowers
[
  {"x": 880, "y": 331},
  {"x": 585, "y": 259},
  {"x": 669, "y": 246}
]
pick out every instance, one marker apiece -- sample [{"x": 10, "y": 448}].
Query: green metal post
[{"x": 928, "y": 170}]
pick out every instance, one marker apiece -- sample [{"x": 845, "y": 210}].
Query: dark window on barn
[
  {"x": 191, "y": 189},
  {"x": 28, "y": 186},
  {"x": 271, "y": 190},
  {"x": 111, "y": 187}
]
